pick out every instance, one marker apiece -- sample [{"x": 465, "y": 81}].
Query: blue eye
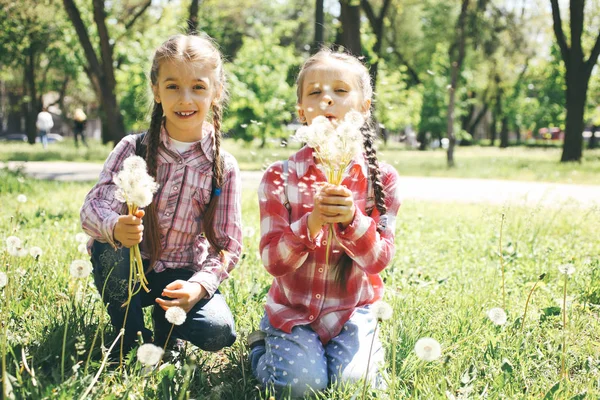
[
  {"x": 171, "y": 86},
  {"x": 199, "y": 87}
]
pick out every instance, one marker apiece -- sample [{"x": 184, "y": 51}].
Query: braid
[
  {"x": 217, "y": 180},
  {"x": 151, "y": 227},
  {"x": 374, "y": 172}
]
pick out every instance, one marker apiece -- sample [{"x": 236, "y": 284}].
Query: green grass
[
  {"x": 443, "y": 279},
  {"x": 514, "y": 163}
]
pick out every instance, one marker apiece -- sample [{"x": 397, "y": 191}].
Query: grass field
[
  {"x": 444, "y": 278},
  {"x": 516, "y": 163}
]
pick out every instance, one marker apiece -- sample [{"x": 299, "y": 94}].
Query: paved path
[{"x": 414, "y": 188}]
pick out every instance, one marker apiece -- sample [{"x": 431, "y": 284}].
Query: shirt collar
[
  {"x": 304, "y": 159},
  {"x": 205, "y": 144}
]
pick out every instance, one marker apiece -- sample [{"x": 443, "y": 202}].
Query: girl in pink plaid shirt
[
  {"x": 191, "y": 231},
  {"x": 317, "y": 327}
]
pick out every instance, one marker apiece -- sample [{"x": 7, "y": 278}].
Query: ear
[
  {"x": 155, "y": 93},
  {"x": 366, "y": 106},
  {"x": 300, "y": 111}
]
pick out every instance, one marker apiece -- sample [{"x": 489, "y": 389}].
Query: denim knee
[{"x": 210, "y": 335}]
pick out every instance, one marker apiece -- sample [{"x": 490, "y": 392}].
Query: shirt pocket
[{"x": 200, "y": 198}]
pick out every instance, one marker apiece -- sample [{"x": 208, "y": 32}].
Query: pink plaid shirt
[
  {"x": 304, "y": 290},
  {"x": 185, "y": 190}
]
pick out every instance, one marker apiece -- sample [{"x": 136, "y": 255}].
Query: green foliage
[
  {"x": 397, "y": 105},
  {"x": 262, "y": 91}
]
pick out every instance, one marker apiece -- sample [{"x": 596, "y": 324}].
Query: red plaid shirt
[
  {"x": 185, "y": 190},
  {"x": 304, "y": 290}
]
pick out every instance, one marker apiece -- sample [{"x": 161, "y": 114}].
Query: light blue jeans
[
  {"x": 297, "y": 363},
  {"x": 43, "y": 137}
]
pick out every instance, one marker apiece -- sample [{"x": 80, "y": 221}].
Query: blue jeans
[
  {"x": 209, "y": 324},
  {"x": 43, "y": 138},
  {"x": 297, "y": 363}
]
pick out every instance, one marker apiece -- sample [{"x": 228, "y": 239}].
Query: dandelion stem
[
  {"x": 502, "y": 263},
  {"x": 64, "y": 345},
  {"x": 89, "y": 388},
  {"x": 166, "y": 342},
  {"x": 563, "y": 369},
  {"x": 364, "y": 393},
  {"x": 527, "y": 304},
  {"x": 87, "y": 362}
]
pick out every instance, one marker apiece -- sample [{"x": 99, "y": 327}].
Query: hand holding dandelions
[
  {"x": 332, "y": 204},
  {"x": 129, "y": 229},
  {"x": 184, "y": 294}
]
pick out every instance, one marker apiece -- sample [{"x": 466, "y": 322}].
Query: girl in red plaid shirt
[
  {"x": 191, "y": 230},
  {"x": 317, "y": 328}
]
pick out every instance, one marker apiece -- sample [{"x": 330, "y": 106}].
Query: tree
[
  {"x": 192, "y": 22},
  {"x": 578, "y": 72},
  {"x": 377, "y": 25},
  {"x": 457, "y": 55},
  {"x": 101, "y": 68},
  {"x": 319, "y": 26},
  {"x": 349, "y": 33}
]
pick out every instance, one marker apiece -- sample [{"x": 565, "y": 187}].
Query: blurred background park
[{"x": 519, "y": 76}]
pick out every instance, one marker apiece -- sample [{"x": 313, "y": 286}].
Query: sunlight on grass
[{"x": 444, "y": 279}]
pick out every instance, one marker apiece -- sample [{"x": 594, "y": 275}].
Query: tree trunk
[
  {"x": 578, "y": 72},
  {"x": 494, "y": 130},
  {"x": 377, "y": 25},
  {"x": 504, "y": 133},
  {"x": 518, "y": 133},
  {"x": 192, "y": 22},
  {"x": 31, "y": 109},
  {"x": 349, "y": 36},
  {"x": 577, "y": 86},
  {"x": 319, "y": 26},
  {"x": 456, "y": 67}
]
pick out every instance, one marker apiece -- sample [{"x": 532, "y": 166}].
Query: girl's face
[
  {"x": 186, "y": 91},
  {"x": 331, "y": 89}
]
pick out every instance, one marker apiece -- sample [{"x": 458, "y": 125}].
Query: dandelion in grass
[
  {"x": 3, "y": 279},
  {"x": 80, "y": 269},
  {"x": 19, "y": 252},
  {"x": 22, "y": 198},
  {"x": 248, "y": 231},
  {"x": 35, "y": 252},
  {"x": 176, "y": 316},
  {"x": 497, "y": 316},
  {"x": 135, "y": 188},
  {"x": 13, "y": 242},
  {"x": 428, "y": 349},
  {"x": 382, "y": 310},
  {"x": 149, "y": 354},
  {"x": 81, "y": 238},
  {"x": 567, "y": 269},
  {"x": 82, "y": 248}
]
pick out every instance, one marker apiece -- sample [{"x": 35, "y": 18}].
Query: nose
[
  {"x": 327, "y": 99},
  {"x": 185, "y": 97}
]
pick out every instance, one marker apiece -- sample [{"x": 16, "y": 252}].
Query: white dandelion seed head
[
  {"x": 149, "y": 354},
  {"x": 80, "y": 269},
  {"x": 13, "y": 241},
  {"x": 497, "y": 316},
  {"x": 428, "y": 349},
  {"x": 22, "y": 252},
  {"x": 175, "y": 315},
  {"x": 382, "y": 310},
  {"x": 22, "y": 198},
  {"x": 82, "y": 237},
  {"x": 35, "y": 252},
  {"x": 82, "y": 248},
  {"x": 13, "y": 251},
  {"x": 3, "y": 279},
  {"x": 134, "y": 163},
  {"x": 249, "y": 231},
  {"x": 567, "y": 269}
]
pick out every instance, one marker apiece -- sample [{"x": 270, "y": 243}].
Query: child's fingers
[
  {"x": 178, "y": 284},
  {"x": 175, "y": 294},
  {"x": 140, "y": 214},
  {"x": 168, "y": 303}
]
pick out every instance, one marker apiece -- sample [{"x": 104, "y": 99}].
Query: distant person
[
  {"x": 44, "y": 123},
  {"x": 79, "y": 121}
]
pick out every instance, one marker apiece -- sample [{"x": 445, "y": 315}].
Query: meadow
[
  {"x": 484, "y": 162},
  {"x": 445, "y": 277}
]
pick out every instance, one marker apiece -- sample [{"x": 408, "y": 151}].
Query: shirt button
[
  {"x": 324, "y": 242},
  {"x": 175, "y": 188},
  {"x": 320, "y": 269},
  {"x": 318, "y": 296},
  {"x": 180, "y": 162},
  {"x": 311, "y": 317},
  {"x": 167, "y": 214}
]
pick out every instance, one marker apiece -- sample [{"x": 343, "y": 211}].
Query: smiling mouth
[
  {"x": 185, "y": 114},
  {"x": 330, "y": 117}
]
